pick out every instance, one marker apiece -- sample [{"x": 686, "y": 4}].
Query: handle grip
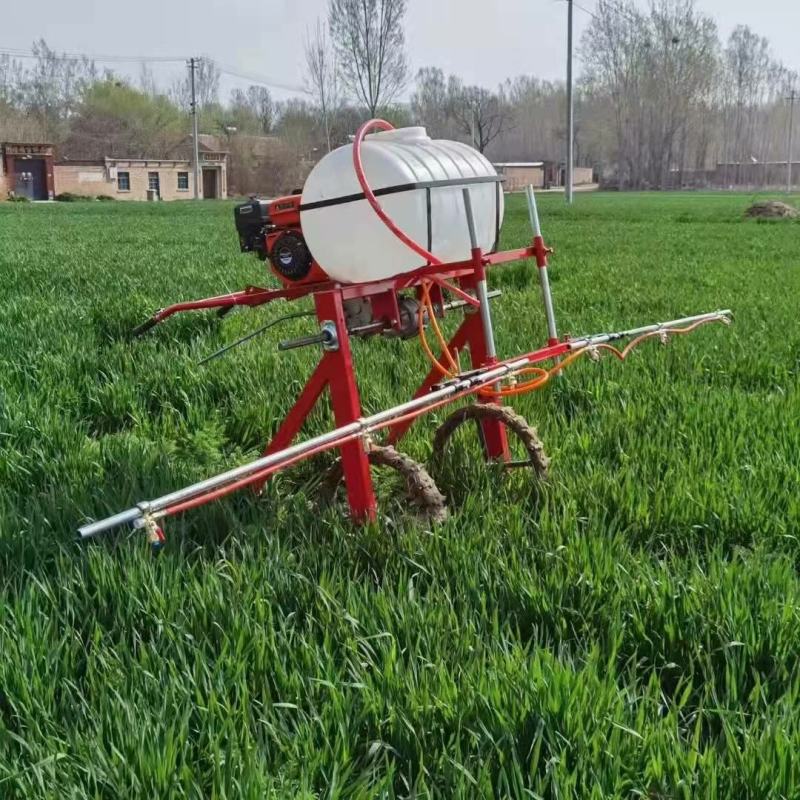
[{"x": 140, "y": 330}]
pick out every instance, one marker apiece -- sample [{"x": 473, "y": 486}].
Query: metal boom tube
[
  {"x": 334, "y": 438},
  {"x": 602, "y": 338},
  {"x": 459, "y": 388}
]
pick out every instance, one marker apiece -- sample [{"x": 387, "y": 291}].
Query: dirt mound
[{"x": 772, "y": 209}]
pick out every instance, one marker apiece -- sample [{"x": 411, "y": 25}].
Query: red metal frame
[
  {"x": 257, "y": 295},
  {"x": 336, "y": 370}
]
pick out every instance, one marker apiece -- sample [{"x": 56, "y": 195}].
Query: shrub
[{"x": 69, "y": 197}]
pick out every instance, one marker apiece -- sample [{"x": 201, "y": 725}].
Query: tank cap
[{"x": 400, "y": 134}]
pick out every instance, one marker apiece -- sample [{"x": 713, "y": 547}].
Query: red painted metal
[
  {"x": 384, "y": 307},
  {"x": 540, "y": 251},
  {"x": 260, "y": 477},
  {"x": 335, "y": 372},
  {"x": 251, "y": 296},
  {"x": 467, "y": 298},
  {"x": 347, "y": 408},
  {"x": 495, "y": 441},
  {"x": 256, "y": 295},
  {"x": 285, "y": 215},
  {"x": 470, "y": 335}
]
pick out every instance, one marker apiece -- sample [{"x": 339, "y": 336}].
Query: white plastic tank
[{"x": 418, "y": 181}]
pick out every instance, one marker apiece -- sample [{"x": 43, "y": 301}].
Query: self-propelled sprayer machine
[{"x": 387, "y": 236}]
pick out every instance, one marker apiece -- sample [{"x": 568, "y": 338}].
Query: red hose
[{"x": 383, "y": 125}]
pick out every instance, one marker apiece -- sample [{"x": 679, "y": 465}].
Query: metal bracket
[
  {"x": 330, "y": 338},
  {"x": 327, "y": 337},
  {"x": 153, "y": 531}
]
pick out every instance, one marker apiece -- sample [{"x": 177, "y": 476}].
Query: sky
[{"x": 483, "y": 41}]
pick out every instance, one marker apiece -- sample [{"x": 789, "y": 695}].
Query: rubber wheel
[
  {"x": 421, "y": 489},
  {"x": 478, "y": 412}
]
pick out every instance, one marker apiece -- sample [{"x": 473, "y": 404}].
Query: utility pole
[
  {"x": 195, "y": 144},
  {"x": 792, "y": 97},
  {"x": 570, "y": 120},
  {"x": 472, "y": 124}
]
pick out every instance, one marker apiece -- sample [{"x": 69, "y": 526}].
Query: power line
[
  {"x": 616, "y": 6},
  {"x": 261, "y": 80},
  {"x": 252, "y": 77},
  {"x": 585, "y": 10},
  {"x": 28, "y": 54}
]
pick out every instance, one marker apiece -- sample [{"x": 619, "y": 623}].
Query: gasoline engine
[{"x": 271, "y": 230}]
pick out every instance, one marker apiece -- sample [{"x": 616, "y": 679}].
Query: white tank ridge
[{"x": 418, "y": 181}]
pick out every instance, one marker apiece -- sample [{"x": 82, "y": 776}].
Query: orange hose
[
  {"x": 428, "y": 304},
  {"x": 545, "y": 374},
  {"x": 443, "y": 371}
]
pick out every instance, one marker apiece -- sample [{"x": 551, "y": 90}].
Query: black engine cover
[{"x": 252, "y": 223}]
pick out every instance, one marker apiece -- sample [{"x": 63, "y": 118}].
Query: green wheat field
[{"x": 630, "y": 628}]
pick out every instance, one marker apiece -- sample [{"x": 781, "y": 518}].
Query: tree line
[{"x": 660, "y": 97}]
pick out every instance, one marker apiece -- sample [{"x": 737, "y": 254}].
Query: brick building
[
  {"x": 519, "y": 174},
  {"x": 539, "y": 174},
  {"x": 144, "y": 178},
  {"x": 30, "y": 170},
  {"x": 27, "y": 170},
  {"x": 127, "y": 179}
]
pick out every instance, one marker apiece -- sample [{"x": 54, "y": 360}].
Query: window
[
  {"x": 183, "y": 181},
  {"x": 152, "y": 181},
  {"x": 123, "y": 181}
]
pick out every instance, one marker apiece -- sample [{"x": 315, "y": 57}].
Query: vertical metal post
[
  {"x": 541, "y": 263},
  {"x": 195, "y": 144},
  {"x": 792, "y": 98},
  {"x": 570, "y": 122},
  {"x": 480, "y": 286},
  {"x": 493, "y": 434},
  {"x": 472, "y": 125},
  {"x": 533, "y": 211}
]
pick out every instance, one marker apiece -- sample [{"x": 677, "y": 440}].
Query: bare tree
[
  {"x": 747, "y": 64},
  {"x": 538, "y": 131},
  {"x": 369, "y": 40},
  {"x": 251, "y": 111},
  {"x": 657, "y": 69},
  {"x": 206, "y": 86},
  {"x": 147, "y": 81},
  {"x": 481, "y": 113},
  {"x": 450, "y": 109},
  {"x": 260, "y": 101},
  {"x": 323, "y": 78},
  {"x": 11, "y": 80},
  {"x": 51, "y": 88},
  {"x": 430, "y": 103}
]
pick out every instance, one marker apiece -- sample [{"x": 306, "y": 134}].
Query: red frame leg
[
  {"x": 469, "y": 334},
  {"x": 346, "y": 404},
  {"x": 337, "y": 372}
]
